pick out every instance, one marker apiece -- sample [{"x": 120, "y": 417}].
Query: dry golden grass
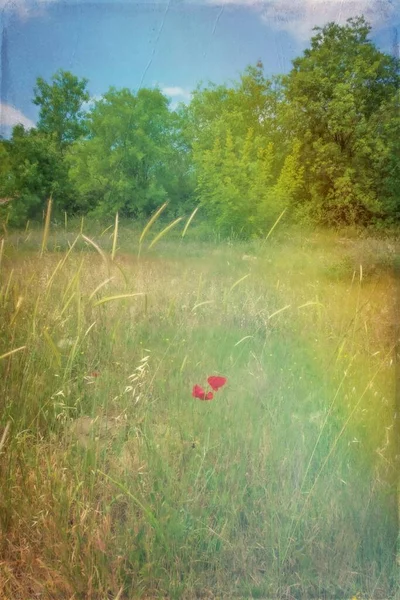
[{"x": 118, "y": 484}]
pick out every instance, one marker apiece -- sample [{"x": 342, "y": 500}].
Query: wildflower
[
  {"x": 94, "y": 374},
  {"x": 198, "y": 392},
  {"x": 216, "y": 382}
]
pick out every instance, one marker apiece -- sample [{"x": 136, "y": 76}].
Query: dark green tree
[
  {"x": 132, "y": 159},
  {"x": 35, "y": 171},
  {"x": 334, "y": 94},
  {"x": 60, "y": 104},
  {"x": 5, "y": 169},
  {"x": 36, "y": 165}
]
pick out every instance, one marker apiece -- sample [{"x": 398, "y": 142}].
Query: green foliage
[
  {"x": 382, "y": 154},
  {"x": 334, "y": 95},
  {"x": 33, "y": 167},
  {"x": 5, "y": 168},
  {"x": 247, "y": 173},
  {"x": 322, "y": 142},
  {"x": 253, "y": 102},
  {"x": 35, "y": 171},
  {"x": 60, "y": 105},
  {"x": 132, "y": 159}
]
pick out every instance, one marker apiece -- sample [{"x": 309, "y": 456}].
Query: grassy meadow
[{"x": 117, "y": 484}]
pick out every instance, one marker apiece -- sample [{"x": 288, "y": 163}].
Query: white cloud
[
  {"x": 15, "y": 4},
  {"x": 24, "y": 8},
  {"x": 295, "y": 16},
  {"x": 298, "y": 17},
  {"x": 176, "y": 92},
  {"x": 87, "y": 106},
  {"x": 10, "y": 116}
]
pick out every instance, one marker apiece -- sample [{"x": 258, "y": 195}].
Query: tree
[
  {"x": 382, "y": 152},
  {"x": 334, "y": 92},
  {"x": 5, "y": 169},
  {"x": 60, "y": 105},
  {"x": 36, "y": 165},
  {"x": 251, "y": 103},
  {"x": 128, "y": 163},
  {"x": 35, "y": 172},
  {"x": 247, "y": 170}
]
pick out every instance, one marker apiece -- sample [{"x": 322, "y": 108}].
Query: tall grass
[
  {"x": 46, "y": 226},
  {"x": 115, "y": 238},
  {"x": 116, "y": 483}
]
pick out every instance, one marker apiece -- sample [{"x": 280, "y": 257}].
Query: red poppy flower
[
  {"x": 216, "y": 382},
  {"x": 94, "y": 374},
  {"x": 198, "y": 392}
]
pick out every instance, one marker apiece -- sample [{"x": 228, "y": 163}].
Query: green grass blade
[
  {"x": 237, "y": 282},
  {"x": 115, "y": 237},
  {"x": 105, "y": 230},
  {"x": 5, "y": 435},
  {"x": 8, "y": 286},
  {"x": 117, "y": 297},
  {"x": 279, "y": 311},
  {"x": 310, "y": 303},
  {"x": 12, "y": 352},
  {"x": 96, "y": 247},
  {"x": 151, "y": 221},
  {"x": 46, "y": 226},
  {"x": 102, "y": 284},
  {"x": 164, "y": 231},
  {"x": 1, "y": 251},
  {"x": 276, "y": 223},
  {"x": 60, "y": 264},
  {"x": 202, "y": 304},
  {"x": 190, "y": 219},
  {"x": 246, "y": 337},
  {"x": 52, "y": 347}
]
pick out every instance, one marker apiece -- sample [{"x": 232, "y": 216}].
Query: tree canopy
[
  {"x": 130, "y": 158},
  {"x": 321, "y": 143},
  {"x": 338, "y": 96},
  {"x": 61, "y": 106}
]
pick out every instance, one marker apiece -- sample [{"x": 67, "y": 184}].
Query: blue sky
[{"x": 174, "y": 44}]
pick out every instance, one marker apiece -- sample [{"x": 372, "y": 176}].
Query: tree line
[{"x": 321, "y": 142}]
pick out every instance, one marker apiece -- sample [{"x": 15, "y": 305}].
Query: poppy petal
[
  {"x": 198, "y": 392},
  {"x": 208, "y": 396},
  {"x": 216, "y": 382}
]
